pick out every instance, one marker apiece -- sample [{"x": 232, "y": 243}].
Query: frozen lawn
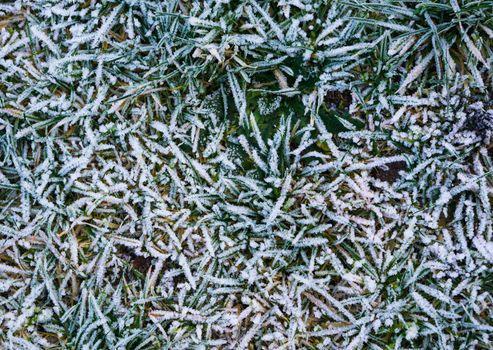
[{"x": 246, "y": 175}]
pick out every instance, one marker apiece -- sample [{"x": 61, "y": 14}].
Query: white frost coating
[
  {"x": 38, "y": 33},
  {"x": 182, "y": 260},
  {"x": 415, "y": 72},
  {"x": 245, "y": 174}
]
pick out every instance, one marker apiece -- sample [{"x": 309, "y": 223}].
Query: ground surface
[{"x": 246, "y": 174}]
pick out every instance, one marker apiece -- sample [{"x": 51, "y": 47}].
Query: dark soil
[{"x": 390, "y": 172}]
